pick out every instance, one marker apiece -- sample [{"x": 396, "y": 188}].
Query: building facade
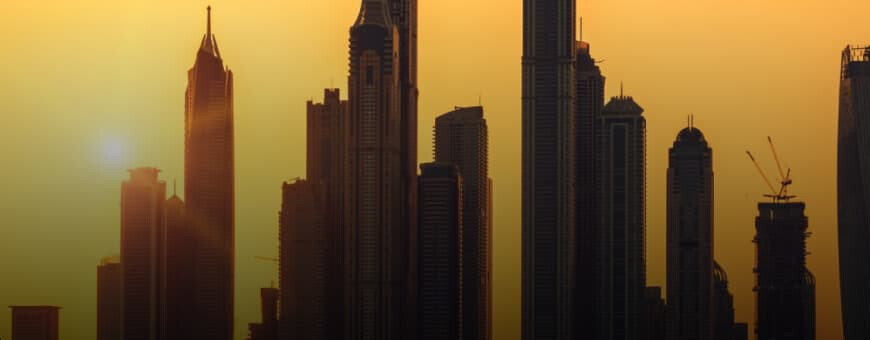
[
  {"x": 376, "y": 239},
  {"x": 784, "y": 287},
  {"x": 589, "y": 101},
  {"x": 722, "y": 315},
  {"x": 548, "y": 241},
  {"x": 177, "y": 310},
  {"x": 109, "y": 299},
  {"x": 690, "y": 237},
  {"x": 267, "y": 328},
  {"x": 853, "y": 188},
  {"x": 440, "y": 257},
  {"x": 143, "y": 232},
  {"x": 209, "y": 191},
  {"x": 655, "y": 311},
  {"x": 620, "y": 266},
  {"x": 304, "y": 262},
  {"x": 35, "y": 322},
  {"x": 461, "y": 139}
]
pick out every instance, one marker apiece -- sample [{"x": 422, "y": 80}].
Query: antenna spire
[
  {"x": 174, "y": 187},
  {"x": 208, "y": 23},
  {"x": 581, "y": 29},
  {"x": 621, "y": 88}
]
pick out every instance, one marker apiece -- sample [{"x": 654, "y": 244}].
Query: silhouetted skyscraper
[
  {"x": 304, "y": 262},
  {"x": 690, "y": 237},
  {"x": 655, "y": 311},
  {"x": 722, "y": 313},
  {"x": 440, "y": 256},
  {"x": 620, "y": 237},
  {"x": 785, "y": 289},
  {"x": 376, "y": 239},
  {"x": 267, "y": 328},
  {"x": 461, "y": 139},
  {"x": 143, "y": 234},
  {"x": 326, "y": 152},
  {"x": 854, "y": 191},
  {"x": 34, "y": 322},
  {"x": 741, "y": 331},
  {"x": 179, "y": 266},
  {"x": 589, "y": 100},
  {"x": 548, "y": 169},
  {"x": 209, "y": 190},
  {"x": 109, "y": 299}
]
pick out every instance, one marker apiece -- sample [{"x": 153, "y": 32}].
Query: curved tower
[{"x": 376, "y": 258}]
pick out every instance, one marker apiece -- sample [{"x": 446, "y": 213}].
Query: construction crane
[{"x": 784, "y": 177}]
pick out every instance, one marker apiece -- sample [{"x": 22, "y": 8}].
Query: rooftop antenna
[
  {"x": 581, "y": 29},
  {"x": 208, "y": 24},
  {"x": 174, "y": 187},
  {"x": 621, "y": 90}
]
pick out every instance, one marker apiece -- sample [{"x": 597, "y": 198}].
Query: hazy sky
[{"x": 93, "y": 87}]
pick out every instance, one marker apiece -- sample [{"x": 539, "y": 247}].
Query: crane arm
[
  {"x": 782, "y": 176},
  {"x": 761, "y": 172}
]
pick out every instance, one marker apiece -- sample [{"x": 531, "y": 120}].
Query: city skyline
[{"x": 652, "y": 151}]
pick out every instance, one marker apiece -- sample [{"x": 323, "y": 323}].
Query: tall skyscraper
[
  {"x": 327, "y": 130},
  {"x": 620, "y": 266},
  {"x": 109, "y": 299},
  {"x": 209, "y": 190},
  {"x": 376, "y": 239},
  {"x": 440, "y": 257},
  {"x": 690, "y": 237},
  {"x": 35, "y": 322},
  {"x": 304, "y": 261},
  {"x": 548, "y": 169},
  {"x": 143, "y": 233},
  {"x": 785, "y": 289},
  {"x": 589, "y": 100},
  {"x": 176, "y": 281},
  {"x": 853, "y": 188},
  {"x": 461, "y": 139}
]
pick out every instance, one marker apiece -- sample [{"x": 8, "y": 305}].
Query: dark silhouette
[
  {"x": 548, "y": 239},
  {"x": 690, "y": 265},
  {"x": 440, "y": 258},
  {"x": 853, "y": 189},
  {"x": 35, "y": 322},
  {"x": 722, "y": 315},
  {"x": 179, "y": 266},
  {"x": 109, "y": 299},
  {"x": 655, "y": 309},
  {"x": 785, "y": 289},
  {"x": 209, "y": 191},
  {"x": 267, "y": 329},
  {"x": 461, "y": 139}
]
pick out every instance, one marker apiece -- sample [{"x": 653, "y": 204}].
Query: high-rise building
[
  {"x": 741, "y": 331},
  {"x": 784, "y": 288},
  {"x": 853, "y": 190},
  {"x": 326, "y": 151},
  {"x": 589, "y": 100},
  {"x": 176, "y": 280},
  {"x": 143, "y": 233},
  {"x": 303, "y": 260},
  {"x": 690, "y": 237},
  {"x": 548, "y": 240},
  {"x": 376, "y": 239},
  {"x": 620, "y": 267},
  {"x": 722, "y": 314},
  {"x": 267, "y": 328},
  {"x": 209, "y": 191},
  {"x": 109, "y": 299},
  {"x": 35, "y": 322},
  {"x": 461, "y": 139},
  {"x": 440, "y": 256},
  {"x": 655, "y": 311}
]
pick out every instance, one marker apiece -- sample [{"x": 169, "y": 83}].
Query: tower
[
  {"x": 853, "y": 191},
  {"x": 548, "y": 239},
  {"x": 209, "y": 191},
  {"x": 109, "y": 299},
  {"x": 620, "y": 266},
  {"x": 461, "y": 139},
  {"x": 690, "y": 262},
  {"x": 376, "y": 239},
  {"x": 35, "y": 322}
]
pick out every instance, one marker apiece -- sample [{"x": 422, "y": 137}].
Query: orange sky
[{"x": 93, "y": 87}]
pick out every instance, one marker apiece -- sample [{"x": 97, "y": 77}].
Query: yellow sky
[{"x": 92, "y": 87}]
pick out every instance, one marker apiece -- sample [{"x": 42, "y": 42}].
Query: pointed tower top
[
  {"x": 209, "y": 43},
  {"x": 208, "y": 22},
  {"x": 374, "y": 12}
]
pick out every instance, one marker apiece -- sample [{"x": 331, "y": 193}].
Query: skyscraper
[
  {"x": 304, "y": 261},
  {"x": 35, "y": 322},
  {"x": 109, "y": 299},
  {"x": 267, "y": 328},
  {"x": 376, "y": 239},
  {"x": 143, "y": 232},
  {"x": 548, "y": 169},
  {"x": 209, "y": 190},
  {"x": 620, "y": 266},
  {"x": 326, "y": 151},
  {"x": 176, "y": 281},
  {"x": 655, "y": 311},
  {"x": 589, "y": 100},
  {"x": 440, "y": 256},
  {"x": 853, "y": 188},
  {"x": 722, "y": 314},
  {"x": 785, "y": 289},
  {"x": 690, "y": 237},
  {"x": 461, "y": 139}
]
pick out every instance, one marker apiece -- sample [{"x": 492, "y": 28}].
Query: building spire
[{"x": 208, "y": 22}]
